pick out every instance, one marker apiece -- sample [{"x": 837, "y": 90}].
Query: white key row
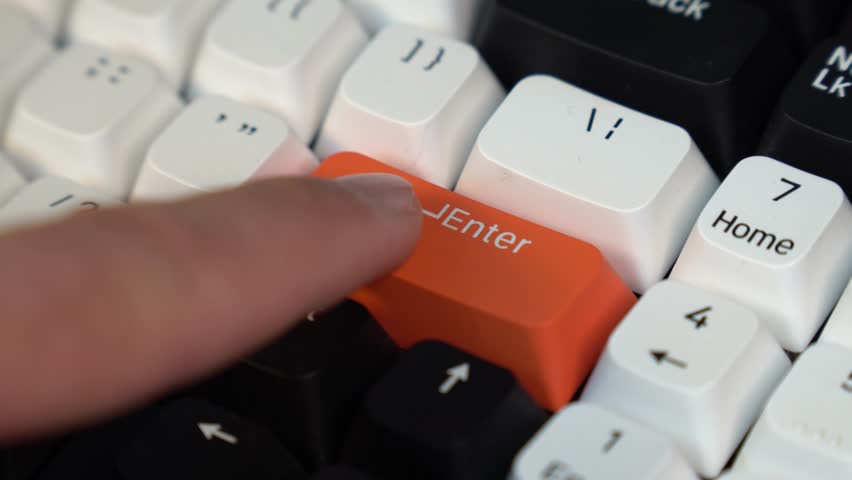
[
  {"x": 455, "y": 18},
  {"x": 429, "y": 105}
]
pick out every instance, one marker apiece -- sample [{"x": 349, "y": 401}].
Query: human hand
[{"x": 105, "y": 311}]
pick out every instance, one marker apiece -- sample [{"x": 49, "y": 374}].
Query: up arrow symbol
[
  {"x": 459, "y": 373},
  {"x": 214, "y": 430}
]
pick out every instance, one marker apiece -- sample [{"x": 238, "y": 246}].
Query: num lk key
[{"x": 519, "y": 295}]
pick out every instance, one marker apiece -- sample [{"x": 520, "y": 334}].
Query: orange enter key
[{"x": 534, "y": 301}]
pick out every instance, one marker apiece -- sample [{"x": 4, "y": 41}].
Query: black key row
[{"x": 333, "y": 390}]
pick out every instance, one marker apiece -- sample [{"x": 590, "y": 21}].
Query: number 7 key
[{"x": 776, "y": 239}]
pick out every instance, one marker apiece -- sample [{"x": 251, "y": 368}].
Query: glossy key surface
[{"x": 524, "y": 297}]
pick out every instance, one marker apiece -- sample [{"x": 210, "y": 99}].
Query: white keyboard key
[
  {"x": 51, "y": 14},
  {"x": 11, "y": 181},
  {"x": 49, "y": 198},
  {"x": 564, "y": 158},
  {"x": 455, "y": 18},
  {"x": 414, "y": 100},
  {"x": 777, "y": 240},
  {"x": 89, "y": 116},
  {"x": 586, "y": 442},
  {"x": 286, "y": 56},
  {"x": 23, "y": 48},
  {"x": 751, "y": 476},
  {"x": 692, "y": 365},
  {"x": 217, "y": 143},
  {"x": 805, "y": 430},
  {"x": 164, "y": 33},
  {"x": 838, "y": 330}
]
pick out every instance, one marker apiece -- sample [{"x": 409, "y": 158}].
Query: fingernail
[{"x": 386, "y": 192}]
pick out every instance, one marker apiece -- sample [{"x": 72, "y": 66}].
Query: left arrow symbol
[
  {"x": 214, "y": 430},
  {"x": 459, "y": 373}
]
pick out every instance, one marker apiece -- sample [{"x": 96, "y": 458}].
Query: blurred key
[
  {"x": 24, "y": 460},
  {"x": 810, "y": 128},
  {"x": 23, "y": 48},
  {"x": 456, "y": 18},
  {"x": 566, "y": 159},
  {"x": 51, "y": 14},
  {"x": 838, "y": 330},
  {"x": 306, "y": 387},
  {"x": 341, "y": 473},
  {"x": 189, "y": 438},
  {"x": 286, "y": 56},
  {"x": 11, "y": 181},
  {"x": 808, "y": 20},
  {"x": 804, "y": 430},
  {"x": 92, "y": 453},
  {"x": 414, "y": 100},
  {"x": 165, "y": 33},
  {"x": 586, "y": 442},
  {"x": 90, "y": 115},
  {"x": 751, "y": 476},
  {"x": 692, "y": 365},
  {"x": 442, "y": 414},
  {"x": 526, "y": 298},
  {"x": 217, "y": 143},
  {"x": 49, "y": 198},
  {"x": 714, "y": 67},
  {"x": 777, "y": 240}
]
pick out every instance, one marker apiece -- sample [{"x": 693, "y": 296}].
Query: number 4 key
[{"x": 776, "y": 239}]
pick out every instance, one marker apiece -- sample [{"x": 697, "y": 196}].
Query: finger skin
[{"x": 105, "y": 311}]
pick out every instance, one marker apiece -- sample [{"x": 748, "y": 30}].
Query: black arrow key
[
  {"x": 306, "y": 386},
  {"x": 441, "y": 414},
  {"x": 714, "y": 67},
  {"x": 194, "y": 439},
  {"x": 810, "y": 129}
]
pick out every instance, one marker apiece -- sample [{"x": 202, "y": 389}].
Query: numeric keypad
[{"x": 692, "y": 365}]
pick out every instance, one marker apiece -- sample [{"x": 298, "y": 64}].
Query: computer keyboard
[{"x": 637, "y": 232}]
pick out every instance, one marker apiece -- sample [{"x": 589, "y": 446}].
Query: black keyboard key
[
  {"x": 714, "y": 67},
  {"x": 195, "y": 439},
  {"x": 23, "y": 462},
  {"x": 341, "y": 473},
  {"x": 441, "y": 414},
  {"x": 809, "y": 21},
  {"x": 307, "y": 386},
  {"x": 811, "y": 128},
  {"x": 92, "y": 454}
]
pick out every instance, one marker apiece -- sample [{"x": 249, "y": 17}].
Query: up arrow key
[
  {"x": 459, "y": 373},
  {"x": 214, "y": 430}
]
